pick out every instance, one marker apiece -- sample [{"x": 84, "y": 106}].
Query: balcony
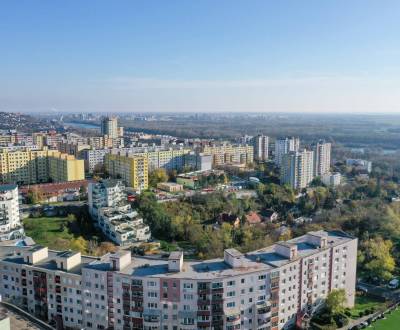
[
  {"x": 203, "y": 302},
  {"x": 233, "y": 318},
  {"x": 218, "y": 298},
  {"x": 262, "y": 322},
  {"x": 263, "y": 310}
]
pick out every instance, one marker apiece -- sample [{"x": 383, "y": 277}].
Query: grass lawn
[
  {"x": 362, "y": 303},
  {"x": 169, "y": 247},
  {"x": 52, "y": 232},
  {"x": 392, "y": 322}
]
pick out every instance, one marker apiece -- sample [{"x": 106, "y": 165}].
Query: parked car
[{"x": 393, "y": 284}]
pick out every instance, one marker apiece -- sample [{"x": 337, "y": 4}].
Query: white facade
[
  {"x": 284, "y": 146},
  {"x": 94, "y": 158},
  {"x": 10, "y": 223},
  {"x": 271, "y": 288},
  {"x": 297, "y": 169},
  {"x": 360, "y": 164},
  {"x": 112, "y": 213},
  {"x": 198, "y": 161},
  {"x": 322, "y": 158},
  {"x": 331, "y": 179}
]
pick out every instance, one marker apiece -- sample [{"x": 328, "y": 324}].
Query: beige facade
[
  {"x": 297, "y": 169},
  {"x": 228, "y": 153}
]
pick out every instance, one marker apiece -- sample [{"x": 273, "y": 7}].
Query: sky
[{"x": 200, "y": 56}]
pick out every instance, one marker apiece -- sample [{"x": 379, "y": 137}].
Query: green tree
[
  {"x": 157, "y": 176},
  {"x": 35, "y": 196},
  {"x": 335, "y": 301},
  {"x": 375, "y": 257}
]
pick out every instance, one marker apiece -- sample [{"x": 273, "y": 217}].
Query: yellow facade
[
  {"x": 132, "y": 170},
  {"x": 5, "y": 140},
  {"x": 39, "y": 139},
  {"x": 228, "y": 154},
  {"x": 63, "y": 167},
  {"x": 38, "y": 166}
]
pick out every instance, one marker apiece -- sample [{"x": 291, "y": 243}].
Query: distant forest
[{"x": 378, "y": 131}]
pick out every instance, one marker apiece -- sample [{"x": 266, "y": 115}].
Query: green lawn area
[
  {"x": 47, "y": 231},
  {"x": 71, "y": 232},
  {"x": 392, "y": 322},
  {"x": 362, "y": 303}
]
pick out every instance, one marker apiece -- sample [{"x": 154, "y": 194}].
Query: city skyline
[{"x": 200, "y": 57}]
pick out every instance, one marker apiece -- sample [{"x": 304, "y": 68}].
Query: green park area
[
  {"x": 390, "y": 322},
  {"x": 66, "y": 233},
  {"x": 364, "y": 305}
]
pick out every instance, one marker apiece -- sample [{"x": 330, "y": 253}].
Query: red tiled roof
[
  {"x": 253, "y": 218},
  {"x": 49, "y": 188}
]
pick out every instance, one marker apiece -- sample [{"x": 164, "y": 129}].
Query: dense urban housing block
[{"x": 272, "y": 288}]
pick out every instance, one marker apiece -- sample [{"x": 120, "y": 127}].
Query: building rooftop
[
  {"x": 110, "y": 183},
  {"x": 175, "y": 255},
  {"x": 261, "y": 260},
  {"x": 7, "y": 187},
  {"x": 66, "y": 254}
]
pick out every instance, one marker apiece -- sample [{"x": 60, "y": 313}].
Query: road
[{"x": 381, "y": 291}]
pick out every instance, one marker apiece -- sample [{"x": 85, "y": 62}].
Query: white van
[{"x": 394, "y": 284}]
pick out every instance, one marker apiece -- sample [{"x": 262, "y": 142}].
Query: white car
[{"x": 394, "y": 284}]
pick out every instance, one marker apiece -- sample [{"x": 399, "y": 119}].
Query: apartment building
[
  {"x": 30, "y": 166},
  {"x": 24, "y": 166},
  {"x": 114, "y": 216},
  {"x": 72, "y": 148},
  {"x": 100, "y": 142},
  {"x": 10, "y": 222},
  {"x": 94, "y": 158},
  {"x": 63, "y": 167},
  {"x": 109, "y": 127},
  {"x": 133, "y": 171},
  {"x": 331, "y": 179},
  {"x": 227, "y": 153},
  {"x": 322, "y": 158},
  {"x": 7, "y": 139},
  {"x": 297, "y": 169},
  {"x": 284, "y": 146},
  {"x": 261, "y": 148},
  {"x": 360, "y": 164},
  {"x": 273, "y": 288},
  {"x": 196, "y": 161},
  {"x": 170, "y": 158}
]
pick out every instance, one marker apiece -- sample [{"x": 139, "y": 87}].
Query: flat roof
[
  {"x": 7, "y": 187},
  {"x": 265, "y": 259},
  {"x": 175, "y": 255}
]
